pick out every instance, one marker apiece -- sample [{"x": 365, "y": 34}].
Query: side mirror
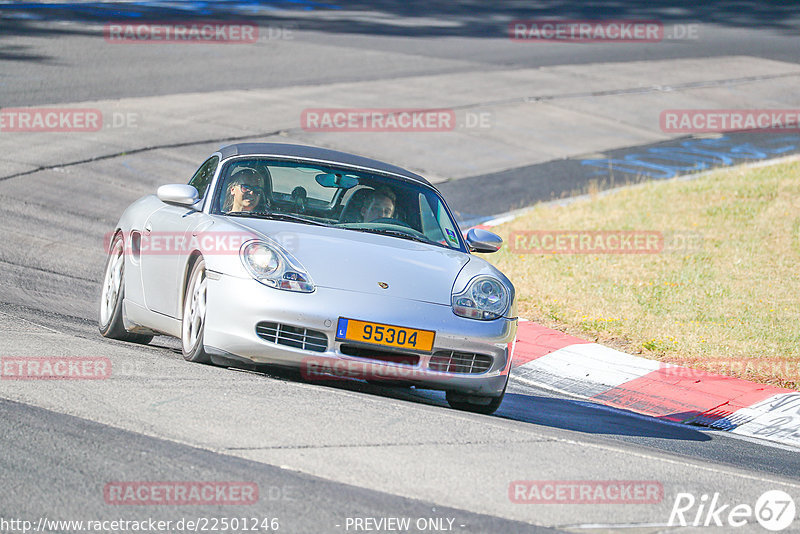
[
  {"x": 479, "y": 240},
  {"x": 178, "y": 195}
]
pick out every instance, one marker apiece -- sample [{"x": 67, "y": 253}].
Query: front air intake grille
[
  {"x": 450, "y": 361},
  {"x": 380, "y": 355},
  {"x": 292, "y": 336}
]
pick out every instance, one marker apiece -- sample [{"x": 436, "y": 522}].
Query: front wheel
[
  {"x": 111, "y": 297},
  {"x": 476, "y": 403},
  {"x": 194, "y": 315}
]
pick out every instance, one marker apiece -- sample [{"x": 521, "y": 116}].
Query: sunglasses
[{"x": 249, "y": 188}]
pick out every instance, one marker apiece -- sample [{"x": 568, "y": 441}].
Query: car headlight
[
  {"x": 484, "y": 298},
  {"x": 274, "y": 267}
]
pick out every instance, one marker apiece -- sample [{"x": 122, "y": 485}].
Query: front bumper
[{"x": 236, "y": 305}]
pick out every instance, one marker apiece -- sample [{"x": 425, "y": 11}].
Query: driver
[
  {"x": 378, "y": 204},
  {"x": 245, "y": 192}
]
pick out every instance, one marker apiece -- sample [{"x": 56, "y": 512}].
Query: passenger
[
  {"x": 378, "y": 204},
  {"x": 245, "y": 192}
]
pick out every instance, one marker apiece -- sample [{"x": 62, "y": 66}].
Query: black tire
[
  {"x": 458, "y": 401},
  {"x": 112, "y": 294},
  {"x": 193, "y": 323}
]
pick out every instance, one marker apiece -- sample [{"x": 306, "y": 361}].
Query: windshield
[{"x": 337, "y": 197}]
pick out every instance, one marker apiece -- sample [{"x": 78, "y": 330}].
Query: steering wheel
[
  {"x": 391, "y": 220},
  {"x": 404, "y": 227}
]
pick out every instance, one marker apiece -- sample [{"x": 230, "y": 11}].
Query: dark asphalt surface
[
  {"x": 55, "y": 52},
  {"x": 56, "y": 465},
  {"x": 524, "y": 186},
  {"x": 528, "y": 404},
  {"x": 59, "y": 466}
]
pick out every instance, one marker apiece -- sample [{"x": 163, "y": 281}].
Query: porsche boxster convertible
[{"x": 341, "y": 266}]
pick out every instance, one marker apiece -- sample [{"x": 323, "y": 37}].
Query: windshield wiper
[
  {"x": 395, "y": 233},
  {"x": 274, "y": 217}
]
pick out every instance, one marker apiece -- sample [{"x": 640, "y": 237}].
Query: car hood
[{"x": 358, "y": 261}]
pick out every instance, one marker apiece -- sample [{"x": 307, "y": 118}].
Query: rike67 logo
[{"x": 774, "y": 510}]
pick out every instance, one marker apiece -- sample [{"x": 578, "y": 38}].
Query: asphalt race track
[{"x": 325, "y": 454}]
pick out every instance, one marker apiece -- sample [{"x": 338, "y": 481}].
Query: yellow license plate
[{"x": 385, "y": 334}]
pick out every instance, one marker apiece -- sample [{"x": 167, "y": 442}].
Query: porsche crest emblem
[{"x": 383, "y": 285}]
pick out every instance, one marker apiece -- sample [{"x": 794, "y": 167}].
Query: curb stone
[
  {"x": 601, "y": 374},
  {"x": 568, "y": 364}
]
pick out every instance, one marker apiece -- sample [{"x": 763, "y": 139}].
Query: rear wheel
[
  {"x": 113, "y": 292},
  {"x": 194, "y": 315}
]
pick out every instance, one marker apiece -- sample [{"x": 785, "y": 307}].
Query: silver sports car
[{"x": 338, "y": 265}]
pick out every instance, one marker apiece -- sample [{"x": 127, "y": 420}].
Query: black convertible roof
[{"x": 314, "y": 153}]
